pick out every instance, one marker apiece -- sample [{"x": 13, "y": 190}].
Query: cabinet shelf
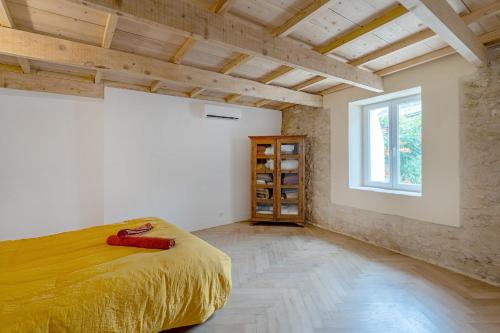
[
  {"x": 264, "y": 171},
  {"x": 277, "y": 209},
  {"x": 290, "y": 156},
  {"x": 289, "y": 171}
]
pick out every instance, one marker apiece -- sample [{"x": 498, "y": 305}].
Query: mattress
[{"x": 75, "y": 282}]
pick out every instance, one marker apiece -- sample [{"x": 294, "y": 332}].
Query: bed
[{"x": 75, "y": 282}]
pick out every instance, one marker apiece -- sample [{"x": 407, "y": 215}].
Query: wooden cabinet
[{"x": 278, "y": 171}]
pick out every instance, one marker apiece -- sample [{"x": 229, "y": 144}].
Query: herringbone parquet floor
[{"x": 292, "y": 279}]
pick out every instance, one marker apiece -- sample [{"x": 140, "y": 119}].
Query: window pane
[
  {"x": 379, "y": 145},
  {"x": 410, "y": 142}
]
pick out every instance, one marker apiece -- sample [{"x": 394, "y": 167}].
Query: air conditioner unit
[{"x": 221, "y": 112}]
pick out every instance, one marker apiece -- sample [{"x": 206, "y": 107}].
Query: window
[{"x": 392, "y": 144}]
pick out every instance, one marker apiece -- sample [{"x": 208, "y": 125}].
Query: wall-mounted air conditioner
[{"x": 221, "y": 112}]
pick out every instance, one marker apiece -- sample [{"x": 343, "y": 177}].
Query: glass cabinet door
[
  {"x": 263, "y": 178},
  {"x": 290, "y": 176}
]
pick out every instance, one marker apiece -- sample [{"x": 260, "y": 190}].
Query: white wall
[
  {"x": 161, "y": 158},
  {"x": 439, "y": 202},
  {"x": 68, "y": 163},
  {"x": 50, "y": 163}
]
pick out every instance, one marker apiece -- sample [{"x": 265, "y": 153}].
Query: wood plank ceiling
[{"x": 264, "y": 53}]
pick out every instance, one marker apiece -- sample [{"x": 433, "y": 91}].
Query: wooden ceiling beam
[
  {"x": 7, "y": 21},
  {"x": 293, "y": 22},
  {"x": 50, "y": 82},
  {"x": 155, "y": 86},
  {"x": 54, "y": 50},
  {"x": 107, "y": 39},
  {"x": 226, "y": 69},
  {"x": 440, "y": 17},
  {"x": 221, "y": 6},
  {"x": 308, "y": 83},
  {"x": 109, "y": 30},
  {"x": 384, "y": 18},
  {"x": 420, "y": 36},
  {"x": 185, "y": 47},
  {"x": 486, "y": 38},
  {"x": 186, "y": 19}
]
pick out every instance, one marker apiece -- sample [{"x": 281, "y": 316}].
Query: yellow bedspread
[{"x": 74, "y": 282}]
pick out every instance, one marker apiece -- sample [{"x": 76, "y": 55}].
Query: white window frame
[{"x": 394, "y": 183}]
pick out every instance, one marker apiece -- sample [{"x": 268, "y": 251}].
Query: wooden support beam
[
  {"x": 396, "y": 46},
  {"x": 221, "y": 6},
  {"x": 232, "y": 98},
  {"x": 189, "y": 20},
  {"x": 233, "y": 63},
  {"x": 109, "y": 30},
  {"x": 157, "y": 84},
  {"x": 185, "y": 47},
  {"x": 98, "y": 77},
  {"x": 486, "y": 38},
  {"x": 440, "y": 17},
  {"x": 195, "y": 92},
  {"x": 54, "y": 50},
  {"x": 481, "y": 13},
  {"x": 107, "y": 39},
  {"x": 25, "y": 65},
  {"x": 226, "y": 69},
  {"x": 335, "y": 88},
  {"x": 280, "y": 71},
  {"x": 293, "y": 22},
  {"x": 7, "y": 21},
  {"x": 423, "y": 35},
  {"x": 5, "y": 17},
  {"x": 379, "y": 21},
  {"x": 261, "y": 103},
  {"x": 54, "y": 83},
  {"x": 308, "y": 83}
]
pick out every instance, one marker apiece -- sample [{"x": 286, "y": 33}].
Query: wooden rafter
[
  {"x": 226, "y": 69},
  {"x": 185, "y": 47},
  {"x": 107, "y": 39},
  {"x": 54, "y": 50},
  {"x": 109, "y": 30},
  {"x": 185, "y": 19},
  {"x": 155, "y": 86},
  {"x": 7, "y": 21},
  {"x": 299, "y": 87},
  {"x": 440, "y": 17},
  {"x": 423, "y": 35},
  {"x": 470, "y": 18},
  {"x": 49, "y": 82},
  {"x": 98, "y": 77},
  {"x": 422, "y": 59},
  {"x": 287, "y": 28},
  {"x": 293, "y": 22},
  {"x": 221, "y": 6},
  {"x": 308, "y": 83},
  {"x": 380, "y": 20}
]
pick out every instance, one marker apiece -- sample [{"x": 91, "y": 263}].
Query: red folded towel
[
  {"x": 144, "y": 242},
  {"x": 135, "y": 231}
]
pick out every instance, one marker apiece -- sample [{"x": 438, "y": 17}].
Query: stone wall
[{"x": 474, "y": 248}]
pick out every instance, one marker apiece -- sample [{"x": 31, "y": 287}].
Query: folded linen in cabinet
[
  {"x": 291, "y": 179},
  {"x": 287, "y": 148},
  {"x": 270, "y": 164},
  {"x": 289, "y": 165}
]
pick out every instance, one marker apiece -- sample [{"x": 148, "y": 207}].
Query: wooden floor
[{"x": 292, "y": 279}]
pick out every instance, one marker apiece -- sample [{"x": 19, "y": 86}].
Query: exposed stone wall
[{"x": 474, "y": 248}]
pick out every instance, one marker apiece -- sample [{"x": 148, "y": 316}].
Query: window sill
[{"x": 383, "y": 190}]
